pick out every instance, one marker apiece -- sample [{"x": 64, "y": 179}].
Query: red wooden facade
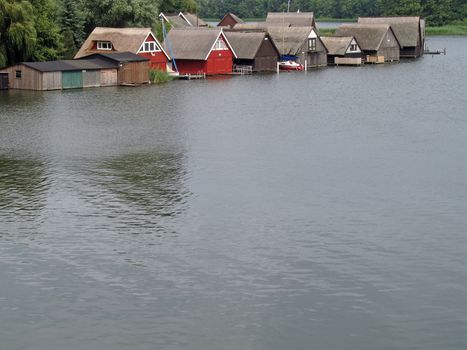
[
  {"x": 219, "y": 61},
  {"x": 157, "y": 58}
]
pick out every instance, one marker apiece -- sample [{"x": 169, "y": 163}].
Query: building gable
[{"x": 353, "y": 47}]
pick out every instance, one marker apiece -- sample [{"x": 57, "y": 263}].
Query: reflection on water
[
  {"x": 23, "y": 189},
  {"x": 153, "y": 182}
]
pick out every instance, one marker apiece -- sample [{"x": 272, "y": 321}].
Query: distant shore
[{"x": 455, "y": 28}]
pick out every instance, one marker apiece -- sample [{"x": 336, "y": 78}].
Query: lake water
[{"x": 318, "y": 210}]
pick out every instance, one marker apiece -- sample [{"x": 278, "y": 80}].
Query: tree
[
  {"x": 18, "y": 36},
  {"x": 72, "y": 20}
]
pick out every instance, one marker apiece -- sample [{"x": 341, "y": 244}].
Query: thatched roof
[
  {"x": 176, "y": 21},
  {"x": 291, "y": 19},
  {"x": 194, "y": 20},
  {"x": 193, "y": 43},
  {"x": 250, "y": 25},
  {"x": 247, "y": 44},
  {"x": 406, "y": 29},
  {"x": 337, "y": 45},
  {"x": 289, "y": 40},
  {"x": 368, "y": 36},
  {"x": 122, "y": 39}
]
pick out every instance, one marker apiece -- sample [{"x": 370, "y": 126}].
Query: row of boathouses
[{"x": 124, "y": 56}]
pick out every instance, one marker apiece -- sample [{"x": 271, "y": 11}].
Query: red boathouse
[
  {"x": 140, "y": 41},
  {"x": 198, "y": 51}
]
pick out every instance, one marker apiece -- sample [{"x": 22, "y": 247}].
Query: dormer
[{"x": 104, "y": 45}]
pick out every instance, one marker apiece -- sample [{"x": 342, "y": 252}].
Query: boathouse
[
  {"x": 182, "y": 20},
  {"x": 132, "y": 68},
  {"x": 342, "y": 50},
  {"x": 254, "y": 49},
  {"x": 140, "y": 41},
  {"x": 300, "y": 44},
  {"x": 65, "y": 74},
  {"x": 230, "y": 20},
  {"x": 409, "y": 31},
  {"x": 291, "y": 19},
  {"x": 377, "y": 41},
  {"x": 201, "y": 51}
]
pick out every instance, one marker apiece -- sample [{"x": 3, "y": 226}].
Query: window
[
  {"x": 149, "y": 46},
  {"x": 104, "y": 45},
  {"x": 220, "y": 45},
  {"x": 18, "y": 74},
  {"x": 312, "y": 44},
  {"x": 353, "y": 47}
]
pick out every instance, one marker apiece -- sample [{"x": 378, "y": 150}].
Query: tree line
[
  {"x": 40, "y": 30},
  {"x": 436, "y": 12}
]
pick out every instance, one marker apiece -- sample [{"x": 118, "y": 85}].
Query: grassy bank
[
  {"x": 455, "y": 28},
  {"x": 159, "y": 76},
  {"x": 327, "y": 31}
]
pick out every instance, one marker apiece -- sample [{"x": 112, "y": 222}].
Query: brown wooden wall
[
  {"x": 30, "y": 79},
  {"x": 109, "y": 77},
  {"x": 313, "y": 59},
  {"x": 51, "y": 80},
  {"x": 134, "y": 73},
  {"x": 389, "y": 48}
]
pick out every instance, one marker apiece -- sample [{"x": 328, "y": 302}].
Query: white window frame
[
  {"x": 150, "y": 46},
  {"x": 220, "y": 45},
  {"x": 104, "y": 45},
  {"x": 311, "y": 44},
  {"x": 353, "y": 47}
]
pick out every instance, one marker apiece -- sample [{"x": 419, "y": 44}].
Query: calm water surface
[{"x": 325, "y": 210}]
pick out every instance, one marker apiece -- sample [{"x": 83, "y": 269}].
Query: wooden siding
[
  {"x": 91, "y": 78},
  {"x": 109, "y": 77},
  {"x": 389, "y": 48},
  {"x": 51, "y": 80},
  {"x": 72, "y": 79},
  {"x": 313, "y": 59},
  {"x": 134, "y": 73},
  {"x": 157, "y": 60},
  {"x": 227, "y": 21},
  {"x": 348, "y": 61},
  {"x": 30, "y": 79},
  {"x": 266, "y": 57}
]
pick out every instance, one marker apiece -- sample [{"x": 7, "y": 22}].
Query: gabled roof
[
  {"x": 406, "y": 29},
  {"x": 194, "y": 43},
  {"x": 71, "y": 65},
  {"x": 250, "y": 25},
  {"x": 337, "y": 45},
  {"x": 233, "y": 16},
  {"x": 289, "y": 40},
  {"x": 247, "y": 44},
  {"x": 120, "y": 57},
  {"x": 122, "y": 39},
  {"x": 175, "y": 20},
  {"x": 193, "y": 19},
  {"x": 368, "y": 36},
  {"x": 291, "y": 19}
]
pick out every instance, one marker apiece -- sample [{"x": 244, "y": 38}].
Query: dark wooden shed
[
  {"x": 377, "y": 41},
  {"x": 409, "y": 31},
  {"x": 255, "y": 49},
  {"x": 132, "y": 68},
  {"x": 57, "y": 75},
  {"x": 230, "y": 20}
]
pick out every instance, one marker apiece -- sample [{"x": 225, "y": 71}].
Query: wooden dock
[
  {"x": 427, "y": 51},
  {"x": 242, "y": 70},
  {"x": 192, "y": 76}
]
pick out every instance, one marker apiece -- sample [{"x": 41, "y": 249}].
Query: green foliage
[
  {"x": 435, "y": 11},
  {"x": 18, "y": 35},
  {"x": 157, "y": 76},
  {"x": 72, "y": 20}
]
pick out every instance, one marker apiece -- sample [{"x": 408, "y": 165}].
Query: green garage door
[{"x": 72, "y": 80}]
